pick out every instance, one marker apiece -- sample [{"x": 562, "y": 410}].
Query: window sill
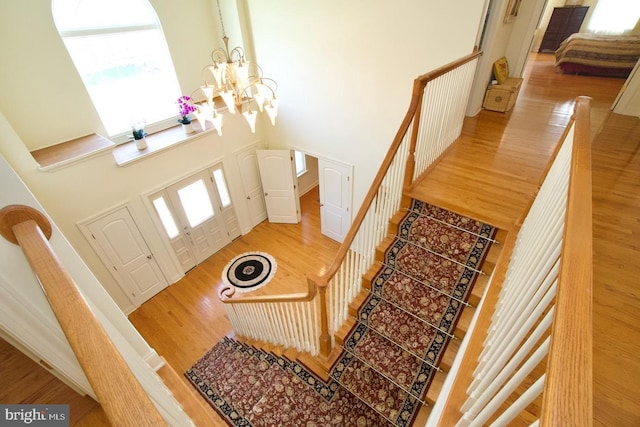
[
  {"x": 79, "y": 149},
  {"x": 128, "y": 152},
  {"x": 69, "y": 152}
]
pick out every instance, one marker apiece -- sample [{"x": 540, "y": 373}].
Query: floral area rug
[
  {"x": 390, "y": 356},
  {"x": 392, "y": 353},
  {"x": 249, "y": 387}
]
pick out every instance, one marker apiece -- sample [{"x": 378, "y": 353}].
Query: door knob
[
  {"x": 248, "y": 197},
  {"x": 266, "y": 194},
  {"x": 148, "y": 256}
]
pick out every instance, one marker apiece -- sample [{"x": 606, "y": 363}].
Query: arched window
[{"x": 119, "y": 49}]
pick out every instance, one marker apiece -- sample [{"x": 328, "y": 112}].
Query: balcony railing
[{"x": 307, "y": 322}]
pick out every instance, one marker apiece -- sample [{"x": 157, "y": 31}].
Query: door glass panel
[
  {"x": 223, "y": 190},
  {"x": 196, "y": 203},
  {"x": 165, "y": 216}
]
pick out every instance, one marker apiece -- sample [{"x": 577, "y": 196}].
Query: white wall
[
  {"x": 45, "y": 102},
  {"x": 628, "y": 101},
  {"x": 510, "y": 39},
  {"x": 344, "y": 69},
  {"x": 494, "y": 46}
]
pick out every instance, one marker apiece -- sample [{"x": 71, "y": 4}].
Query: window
[
  {"x": 301, "y": 163},
  {"x": 221, "y": 185},
  {"x": 614, "y": 16},
  {"x": 166, "y": 217},
  {"x": 196, "y": 203},
  {"x": 119, "y": 50}
]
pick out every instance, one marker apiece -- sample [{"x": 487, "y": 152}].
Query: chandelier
[{"x": 239, "y": 83}]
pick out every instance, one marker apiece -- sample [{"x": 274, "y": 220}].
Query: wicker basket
[{"x": 502, "y": 97}]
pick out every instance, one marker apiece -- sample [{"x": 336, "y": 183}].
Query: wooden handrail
[
  {"x": 121, "y": 396},
  {"x": 568, "y": 391},
  {"x": 226, "y": 293}
]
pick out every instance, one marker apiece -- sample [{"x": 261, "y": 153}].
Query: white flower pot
[
  {"x": 188, "y": 128},
  {"x": 141, "y": 143}
]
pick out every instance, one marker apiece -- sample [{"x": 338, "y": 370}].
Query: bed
[{"x": 598, "y": 55}]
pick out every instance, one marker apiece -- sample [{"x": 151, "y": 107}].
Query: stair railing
[
  {"x": 121, "y": 396},
  {"x": 530, "y": 353},
  {"x": 308, "y": 321}
]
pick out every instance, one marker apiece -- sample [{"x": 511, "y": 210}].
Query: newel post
[
  {"x": 418, "y": 90},
  {"x": 325, "y": 336}
]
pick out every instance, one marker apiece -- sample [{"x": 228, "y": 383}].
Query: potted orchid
[{"x": 186, "y": 107}]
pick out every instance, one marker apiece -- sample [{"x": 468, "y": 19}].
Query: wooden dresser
[{"x": 564, "y": 22}]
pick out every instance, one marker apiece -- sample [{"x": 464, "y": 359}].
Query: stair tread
[
  {"x": 370, "y": 386},
  {"x": 411, "y": 333},
  {"x": 400, "y": 366}
]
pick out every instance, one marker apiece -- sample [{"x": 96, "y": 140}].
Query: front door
[
  {"x": 127, "y": 255},
  {"x": 194, "y": 218},
  {"x": 280, "y": 185}
]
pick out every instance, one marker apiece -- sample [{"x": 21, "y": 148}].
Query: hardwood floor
[
  {"x": 494, "y": 168},
  {"x": 187, "y": 319},
  {"x": 23, "y": 381},
  {"x": 490, "y": 174},
  {"x": 616, "y": 300}
]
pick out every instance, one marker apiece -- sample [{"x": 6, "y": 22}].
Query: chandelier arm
[
  {"x": 237, "y": 51},
  {"x": 219, "y": 55},
  {"x": 202, "y": 74},
  {"x": 273, "y": 90}
]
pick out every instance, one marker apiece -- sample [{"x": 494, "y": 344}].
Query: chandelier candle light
[{"x": 239, "y": 83}]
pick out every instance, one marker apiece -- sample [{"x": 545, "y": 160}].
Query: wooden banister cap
[{"x": 12, "y": 215}]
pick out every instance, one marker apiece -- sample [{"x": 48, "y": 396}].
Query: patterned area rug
[
  {"x": 249, "y": 387},
  {"x": 391, "y": 355},
  {"x": 249, "y": 271}
]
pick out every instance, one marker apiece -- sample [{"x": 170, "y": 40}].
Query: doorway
[
  {"x": 197, "y": 215},
  {"x": 334, "y": 181}
]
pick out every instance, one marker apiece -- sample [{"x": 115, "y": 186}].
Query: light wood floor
[
  {"x": 490, "y": 175},
  {"x": 187, "y": 319},
  {"x": 23, "y": 381}
]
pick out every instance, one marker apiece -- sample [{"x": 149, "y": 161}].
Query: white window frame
[{"x": 160, "y": 123}]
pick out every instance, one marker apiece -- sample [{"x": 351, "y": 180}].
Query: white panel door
[
  {"x": 280, "y": 185},
  {"x": 248, "y": 164},
  {"x": 128, "y": 255},
  {"x": 199, "y": 215},
  {"x": 335, "y": 198}
]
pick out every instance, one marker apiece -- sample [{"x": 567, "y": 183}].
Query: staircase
[{"x": 395, "y": 348}]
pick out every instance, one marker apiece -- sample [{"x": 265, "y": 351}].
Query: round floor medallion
[{"x": 249, "y": 271}]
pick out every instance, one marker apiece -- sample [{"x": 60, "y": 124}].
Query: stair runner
[{"x": 389, "y": 357}]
